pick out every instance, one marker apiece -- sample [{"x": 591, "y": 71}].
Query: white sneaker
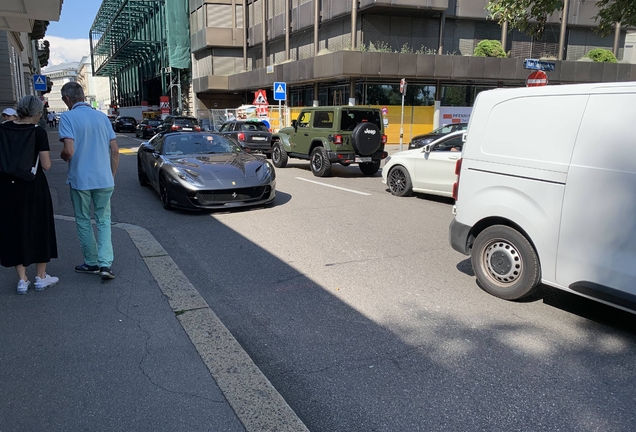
[
  {"x": 23, "y": 286},
  {"x": 44, "y": 283}
]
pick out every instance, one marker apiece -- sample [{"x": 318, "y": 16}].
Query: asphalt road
[{"x": 354, "y": 306}]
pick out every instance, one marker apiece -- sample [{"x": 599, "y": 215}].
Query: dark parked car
[
  {"x": 147, "y": 128},
  {"x": 421, "y": 140},
  {"x": 122, "y": 124},
  {"x": 180, "y": 124},
  {"x": 204, "y": 170},
  {"x": 253, "y": 136}
]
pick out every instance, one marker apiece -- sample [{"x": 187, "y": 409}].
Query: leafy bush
[
  {"x": 489, "y": 48},
  {"x": 602, "y": 55}
]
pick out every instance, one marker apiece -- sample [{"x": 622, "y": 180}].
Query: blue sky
[
  {"x": 69, "y": 36},
  {"x": 76, "y": 19}
]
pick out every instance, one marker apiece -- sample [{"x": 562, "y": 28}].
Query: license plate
[
  {"x": 259, "y": 139},
  {"x": 363, "y": 159},
  {"x": 187, "y": 129}
]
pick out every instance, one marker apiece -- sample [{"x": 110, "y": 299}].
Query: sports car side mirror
[
  {"x": 427, "y": 148},
  {"x": 147, "y": 148}
]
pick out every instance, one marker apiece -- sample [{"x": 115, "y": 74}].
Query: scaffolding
[{"x": 129, "y": 44}]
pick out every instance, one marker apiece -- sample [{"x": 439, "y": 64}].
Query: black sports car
[{"x": 204, "y": 170}]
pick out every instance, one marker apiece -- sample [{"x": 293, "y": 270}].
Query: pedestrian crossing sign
[
  {"x": 280, "y": 91},
  {"x": 39, "y": 83}
]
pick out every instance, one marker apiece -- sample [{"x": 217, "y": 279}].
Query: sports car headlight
[
  {"x": 264, "y": 172},
  {"x": 188, "y": 175}
]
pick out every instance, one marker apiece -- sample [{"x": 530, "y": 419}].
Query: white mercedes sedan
[{"x": 430, "y": 169}]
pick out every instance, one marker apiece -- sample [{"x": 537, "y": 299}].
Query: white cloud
[{"x": 67, "y": 50}]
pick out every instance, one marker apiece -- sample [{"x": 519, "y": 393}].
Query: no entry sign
[{"x": 536, "y": 79}]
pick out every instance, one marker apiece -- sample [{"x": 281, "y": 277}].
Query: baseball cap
[{"x": 9, "y": 111}]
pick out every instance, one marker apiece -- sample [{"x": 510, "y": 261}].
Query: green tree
[
  {"x": 489, "y": 48},
  {"x": 602, "y": 55},
  {"x": 530, "y": 15}
]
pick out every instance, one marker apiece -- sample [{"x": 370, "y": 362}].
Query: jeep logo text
[{"x": 369, "y": 131}]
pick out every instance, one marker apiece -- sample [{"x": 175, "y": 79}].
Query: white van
[{"x": 546, "y": 191}]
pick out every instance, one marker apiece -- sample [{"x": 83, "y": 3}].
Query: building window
[
  {"x": 16, "y": 74},
  {"x": 219, "y": 16}
]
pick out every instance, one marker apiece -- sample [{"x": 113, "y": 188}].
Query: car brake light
[
  {"x": 458, "y": 169},
  {"x": 241, "y": 136},
  {"x": 337, "y": 139},
  {"x": 175, "y": 127},
  {"x": 197, "y": 128},
  {"x": 383, "y": 139}
]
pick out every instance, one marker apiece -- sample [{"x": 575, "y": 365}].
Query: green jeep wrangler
[{"x": 333, "y": 134}]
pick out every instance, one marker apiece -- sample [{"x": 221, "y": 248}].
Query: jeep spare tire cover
[{"x": 366, "y": 138}]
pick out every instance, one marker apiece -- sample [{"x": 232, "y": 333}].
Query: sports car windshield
[{"x": 198, "y": 144}]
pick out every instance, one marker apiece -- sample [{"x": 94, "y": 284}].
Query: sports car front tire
[
  {"x": 141, "y": 175},
  {"x": 164, "y": 193}
]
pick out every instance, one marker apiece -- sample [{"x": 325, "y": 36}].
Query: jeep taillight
[
  {"x": 383, "y": 139},
  {"x": 458, "y": 169},
  {"x": 337, "y": 139},
  {"x": 241, "y": 136}
]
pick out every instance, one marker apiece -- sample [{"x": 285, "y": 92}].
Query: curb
[{"x": 255, "y": 401}]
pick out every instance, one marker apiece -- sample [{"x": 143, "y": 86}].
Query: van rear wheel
[{"x": 505, "y": 263}]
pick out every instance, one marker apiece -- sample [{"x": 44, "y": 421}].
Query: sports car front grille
[{"x": 220, "y": 197}]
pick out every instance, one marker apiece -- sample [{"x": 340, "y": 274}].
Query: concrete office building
[
  {"x": 239, "y": 46},
  {"x": 96, "y": 88},
  {"x": 60, "y": 75}
]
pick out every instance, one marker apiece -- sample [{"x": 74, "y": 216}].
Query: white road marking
[{"x": 335, "y": 187}]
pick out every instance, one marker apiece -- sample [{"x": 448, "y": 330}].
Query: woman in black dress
[{"x": 27, "y": 227}]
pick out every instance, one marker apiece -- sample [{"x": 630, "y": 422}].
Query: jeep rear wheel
[
  {"x": 320, "y": 163},
  {"x": 279, "y": 155},
  {"x": 366, "y": 138},
  {"x": 370, "y": 168}
]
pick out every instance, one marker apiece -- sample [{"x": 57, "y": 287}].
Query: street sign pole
[
  {"x": 403, "y": 91},
  {"x": 280, "y": 94}
]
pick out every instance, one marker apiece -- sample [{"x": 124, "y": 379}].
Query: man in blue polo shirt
[{"x": 93, "y": 156}]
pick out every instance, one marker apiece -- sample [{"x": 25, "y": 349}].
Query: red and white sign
[
  {"x": 260, "y": 100},
  {"x": 536, "y": 79},
  {"x": 403, "y": 85},
  {"x": 164, "y": 104},
  {"x": 385, "y": 110},
  {"x": 454, "y": 115}
]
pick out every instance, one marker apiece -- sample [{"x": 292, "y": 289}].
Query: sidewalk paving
[{"x": 142, "y": 352}]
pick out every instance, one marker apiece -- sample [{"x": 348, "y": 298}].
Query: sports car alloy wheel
[
  {"x": 163, "y": 192},
  {"x": 141, "y": 175}
]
